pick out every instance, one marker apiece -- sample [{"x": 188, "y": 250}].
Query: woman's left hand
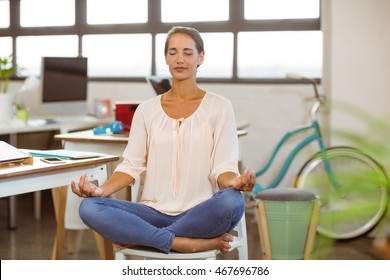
[{"x": 245, "y": 182}]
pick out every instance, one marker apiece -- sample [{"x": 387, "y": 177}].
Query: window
[
  {"x": 31, "y": 49},
  {"x": 47, "y": 13},
  {"x": 129, "y": 55},
  {"x": 274, "y": 54},
  {"x": 194, "y": 11},
  {"x": 5, "y": 46},
  {"x": 247, "y": 41},
  {"x": 117, "y": 11},
  {"x": 271, "y": 9},
  {"x": 4, "y": 14}
]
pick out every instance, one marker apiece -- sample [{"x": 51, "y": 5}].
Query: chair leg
[
  {"x": 312, "y": 230},
  {"x": 243, "y": 247},
  {"x": 263, "y": 231},
  {"x": 120, "y": 256},
  {"x": 71, "y": 240},
  {"x": 242, "y": 252}
]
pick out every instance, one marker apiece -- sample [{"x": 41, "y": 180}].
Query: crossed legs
[{"x": 203, "y": 227}]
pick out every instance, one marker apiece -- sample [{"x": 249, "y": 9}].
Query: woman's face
[{"x": 182, "y": 57}]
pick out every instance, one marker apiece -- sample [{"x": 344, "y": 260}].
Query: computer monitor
[
  {"x": 64, "y": 86},
  {"x": 159, "y": 84}
]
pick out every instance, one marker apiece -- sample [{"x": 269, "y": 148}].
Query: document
[
  {"x": 64, "y": 154},
  {"x": 11, "y": 154}
]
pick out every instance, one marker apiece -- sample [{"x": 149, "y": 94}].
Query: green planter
[{"x": 288, "y": 225}]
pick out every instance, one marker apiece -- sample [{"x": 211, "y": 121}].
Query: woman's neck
[{"x": 183, "y": 92}]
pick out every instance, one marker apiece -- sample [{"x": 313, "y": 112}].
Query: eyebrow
[{"x": 185, "y": 49}]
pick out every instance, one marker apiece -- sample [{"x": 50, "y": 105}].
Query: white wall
[
  {"x": 359, "y": 53},
  {"x": 357, "y": 60}
]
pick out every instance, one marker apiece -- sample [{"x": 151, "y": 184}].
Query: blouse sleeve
[
  {"x": 225, "y": 151},
  {"x": 135, "y": 153}
]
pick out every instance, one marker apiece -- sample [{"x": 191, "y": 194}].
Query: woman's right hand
[{"x": 86, "y": 188}]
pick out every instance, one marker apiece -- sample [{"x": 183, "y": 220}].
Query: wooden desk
[
  {"x": 19, "y": 179},
  {"x": 108, "y": 144},
  {"x": 61, "y": 124}
]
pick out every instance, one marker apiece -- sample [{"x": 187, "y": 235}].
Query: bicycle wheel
[{"x": 361, "y": 199}]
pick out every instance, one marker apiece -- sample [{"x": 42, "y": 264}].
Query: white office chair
[{"x": 240, "y": 243}]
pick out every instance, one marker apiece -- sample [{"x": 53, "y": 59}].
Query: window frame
[{"x": 154, "y": 26}]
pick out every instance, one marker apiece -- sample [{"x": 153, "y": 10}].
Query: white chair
[{"x": 240, "y": 243}]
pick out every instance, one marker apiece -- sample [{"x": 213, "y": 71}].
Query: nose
[{"x": 180, "y": 59}]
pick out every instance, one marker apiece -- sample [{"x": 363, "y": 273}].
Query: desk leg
[
  {"x": 59, "y": 201},
  {"x": 13, "y": 140},
  {"x": 104, "y": 246},
  {"x": 12, "y": 212}
]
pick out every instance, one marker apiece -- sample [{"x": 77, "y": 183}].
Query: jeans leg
[
  {"x": 127, "y": 222},
  {"x": 211, "y": 218}
]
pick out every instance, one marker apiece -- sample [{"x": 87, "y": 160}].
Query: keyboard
[
  {"x": 73, "y": 119},
  {"x": 62, "y": 120}
]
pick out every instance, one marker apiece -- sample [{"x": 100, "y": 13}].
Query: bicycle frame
[{"x": 314, "y": 136}]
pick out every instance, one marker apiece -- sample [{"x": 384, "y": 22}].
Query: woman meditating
[{"x": 185, "y": 144}]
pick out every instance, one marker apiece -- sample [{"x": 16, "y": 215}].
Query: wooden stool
[{"x": 287, "y": 221}]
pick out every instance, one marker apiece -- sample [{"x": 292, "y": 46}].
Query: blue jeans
[{"x": 126, "y": 222}]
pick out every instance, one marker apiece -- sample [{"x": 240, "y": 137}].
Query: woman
[{"x": 185, "y": 141}]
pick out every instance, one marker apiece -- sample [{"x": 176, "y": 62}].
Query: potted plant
[{"x": 7, "y": 69}]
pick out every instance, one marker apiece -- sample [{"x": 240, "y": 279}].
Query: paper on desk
[
  {"x": 9, "y": 153},
  {"x": 64, "y": 154}
]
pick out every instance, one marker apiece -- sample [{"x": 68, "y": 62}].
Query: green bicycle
[{"x": 351, "y": 185}]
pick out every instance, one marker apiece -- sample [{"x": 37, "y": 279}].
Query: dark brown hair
[{"x": 192, "y": 32}]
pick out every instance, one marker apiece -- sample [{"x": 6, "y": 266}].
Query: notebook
[
  {"x": 64, "y": 154},
  {"x": 10, "y": 154}
]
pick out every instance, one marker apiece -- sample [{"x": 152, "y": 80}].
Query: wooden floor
[{"x": 33, "y": 239}]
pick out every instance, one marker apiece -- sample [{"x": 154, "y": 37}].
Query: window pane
[
  {"x": 161, "y": 67},
  {"x": 121, "y": 55},
  {"x": 117, "y": 11},
  {"x": 4, "y": 14},
  {"x": 273, "y": 54},
  {"x": 5, "y": 46},
  {"x": 218, "y": 62},
  {"x": 31, "y": 49},
  {"x": 281, "y": 9},
  {"x": 35, "y": 13},
  {"x": 199, "y": 10}
]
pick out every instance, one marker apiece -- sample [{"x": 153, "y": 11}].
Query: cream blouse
[{"x": 183, "y": 157}]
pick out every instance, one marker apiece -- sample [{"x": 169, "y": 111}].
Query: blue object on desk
[{"x": 115, "y": 127}]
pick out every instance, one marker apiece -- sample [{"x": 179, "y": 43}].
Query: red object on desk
[{"x": 124, "y": 112}]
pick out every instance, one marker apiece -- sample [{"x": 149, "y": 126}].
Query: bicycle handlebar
[
  {"x": 317, "y": 105},
  {"x": 303, "y": 78}
]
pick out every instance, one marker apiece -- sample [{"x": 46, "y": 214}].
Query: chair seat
[
  {"x": 239, "y": 242},
  {"x": 149, "y": 253}
]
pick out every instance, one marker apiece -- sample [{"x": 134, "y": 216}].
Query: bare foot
[
  {"x": 192, "y": 245},
  {"x": 119, "y": 246}
]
